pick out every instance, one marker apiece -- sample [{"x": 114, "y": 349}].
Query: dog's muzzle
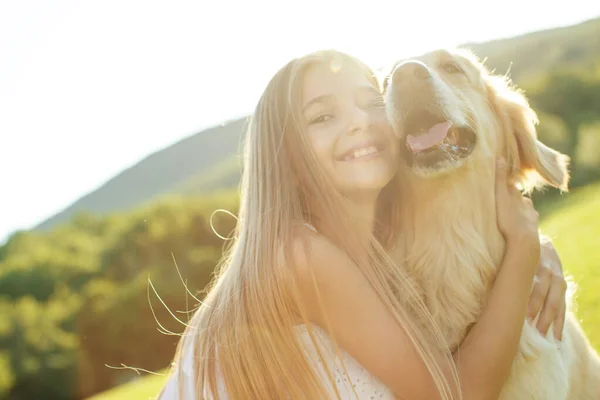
[
  {"x": 414, "y": 78},
  {"x": 432, "y": 139}
]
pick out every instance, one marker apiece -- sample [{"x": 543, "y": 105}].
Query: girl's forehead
[{"x": 327, "y": 78}]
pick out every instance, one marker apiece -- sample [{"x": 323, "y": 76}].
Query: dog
[{"x": 454, "y": 118}]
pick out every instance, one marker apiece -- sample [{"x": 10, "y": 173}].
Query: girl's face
[{"x": 348, "y": 128}]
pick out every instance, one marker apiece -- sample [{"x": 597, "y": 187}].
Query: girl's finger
[{"x": 542, "y": 281}]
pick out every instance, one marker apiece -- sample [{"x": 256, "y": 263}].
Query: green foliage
[
  {"x": 587, "y": 152},
  {"x": 224, "y": 174},
  {"x": 41, "y": 344},
  {"x": 7, "y": 377},
  {"x": 77, "y": 301},
  {"x": 554, "y": 132},
  {"x": 573, "y": 97}
]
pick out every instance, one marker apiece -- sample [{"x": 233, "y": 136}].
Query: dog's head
[{"x": 451, "y": 113}]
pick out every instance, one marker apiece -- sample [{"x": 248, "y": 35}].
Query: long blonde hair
[{"x": 243, "y": 332}]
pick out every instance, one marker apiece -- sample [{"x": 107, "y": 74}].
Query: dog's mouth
[{"x": 434, "y": 142}]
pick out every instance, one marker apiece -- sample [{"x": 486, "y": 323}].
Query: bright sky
[{"x": 88, "y": 88}]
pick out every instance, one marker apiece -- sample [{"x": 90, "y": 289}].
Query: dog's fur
[{"x": 452, "y": 244}]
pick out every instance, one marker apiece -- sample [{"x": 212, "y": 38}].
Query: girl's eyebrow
[{"x": 326, "y": 98}]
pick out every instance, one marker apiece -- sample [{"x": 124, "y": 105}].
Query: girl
[{"x": 306, "y": 303}]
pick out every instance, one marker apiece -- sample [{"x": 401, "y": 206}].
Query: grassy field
[
  {"x": 144, "y": 388},
  {"x": 573, "y": 223}
]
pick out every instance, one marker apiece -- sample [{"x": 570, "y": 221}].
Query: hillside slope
[
  {"x": 528, "y": 56},
  {"x": 160, "y": 173}
]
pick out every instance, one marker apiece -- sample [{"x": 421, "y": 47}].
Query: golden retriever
[{"x": 454, "y": 118}]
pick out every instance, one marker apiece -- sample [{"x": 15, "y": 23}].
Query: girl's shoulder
[{"x": 182, "y": 381}]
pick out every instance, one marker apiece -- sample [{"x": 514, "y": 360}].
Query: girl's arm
[{"x": 365, "y": 329}]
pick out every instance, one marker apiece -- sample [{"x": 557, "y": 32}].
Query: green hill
[
  {"x": 534, "y": 54},
  {"x": 192, "y": 165}
]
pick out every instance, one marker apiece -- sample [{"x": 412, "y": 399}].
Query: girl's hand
[
  {"x": 517, "y": 219},
  {"x": 549, "y": 292}
]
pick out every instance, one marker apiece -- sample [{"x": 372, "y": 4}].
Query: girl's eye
[{"x": 321, "y": 119}]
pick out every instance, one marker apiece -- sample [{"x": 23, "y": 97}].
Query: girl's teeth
[{"x": 361, "y": 153}]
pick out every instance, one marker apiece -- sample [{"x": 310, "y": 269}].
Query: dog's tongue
[{"x": 424, "y": 141}]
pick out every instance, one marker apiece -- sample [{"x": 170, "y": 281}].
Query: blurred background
[{"x": 120, "y": 128}]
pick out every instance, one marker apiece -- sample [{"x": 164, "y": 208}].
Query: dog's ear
[{"x": 533, "y": 164}]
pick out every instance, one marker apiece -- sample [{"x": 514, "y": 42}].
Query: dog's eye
[{"x": 451, "y": 68}]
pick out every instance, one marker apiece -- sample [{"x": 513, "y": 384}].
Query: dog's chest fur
[{"x": 452, "y": 248}]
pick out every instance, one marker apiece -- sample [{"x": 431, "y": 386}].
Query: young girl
[{"x": 307, "y": 303}]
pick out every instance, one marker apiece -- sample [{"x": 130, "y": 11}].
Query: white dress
[{"x": 365, "y": 385}]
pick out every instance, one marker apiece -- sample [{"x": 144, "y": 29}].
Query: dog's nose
[{"x": 410, "y": 71}]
